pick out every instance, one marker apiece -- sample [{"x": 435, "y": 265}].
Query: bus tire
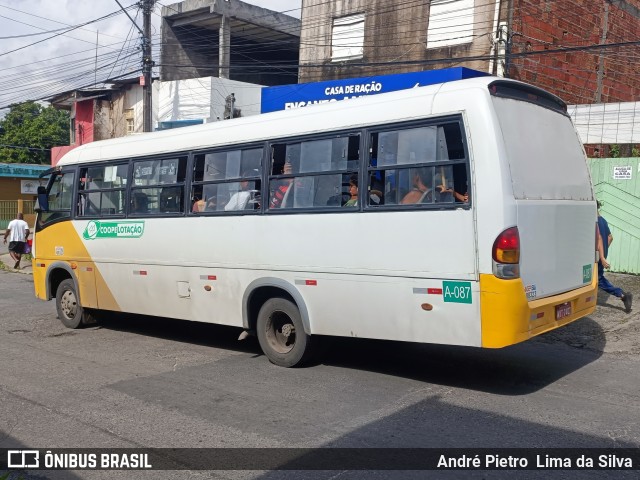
[
  {"x": 281, "y": 333},
  {"x": 70, "y": 312}
]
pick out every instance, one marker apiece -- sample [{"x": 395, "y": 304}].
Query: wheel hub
[
  {"x": 287, "y": 330},
  {"x": 68, "y": 304},
  {"x": 281, "y": 333}
]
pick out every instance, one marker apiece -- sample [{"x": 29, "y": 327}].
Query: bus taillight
[{"x": 506, "y": 254}]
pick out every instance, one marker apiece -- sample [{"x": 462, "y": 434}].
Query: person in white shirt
[
  {"x": 240, "y": 199},
  {"x": 17, "y": 231}
]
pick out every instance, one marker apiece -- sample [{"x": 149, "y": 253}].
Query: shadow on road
[
  {"x": 438, "y": 424},
  {"x": 216, "y": 336},
  {"x": 516, "y": 370},
  {"x": 604, "y": 298}
]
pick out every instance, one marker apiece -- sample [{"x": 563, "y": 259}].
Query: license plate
[{"x": 563, "y": 310}]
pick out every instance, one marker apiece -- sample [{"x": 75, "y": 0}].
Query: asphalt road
[{"x": 148, "y": 382}]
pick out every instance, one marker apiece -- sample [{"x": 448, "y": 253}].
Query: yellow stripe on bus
[{"x": 61, "y": 242}]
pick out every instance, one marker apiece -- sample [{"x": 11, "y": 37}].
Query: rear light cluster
[{"x": 506, "y": 254}]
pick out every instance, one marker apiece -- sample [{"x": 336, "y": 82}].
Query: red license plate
[{"x": 563, "y": 310}]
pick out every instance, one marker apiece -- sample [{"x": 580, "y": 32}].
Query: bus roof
[{"x": 364, "y": 111}]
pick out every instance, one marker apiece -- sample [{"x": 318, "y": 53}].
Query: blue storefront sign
[
  {"x": 21, "y": 170},
  {"x": 286, "y": 97}
]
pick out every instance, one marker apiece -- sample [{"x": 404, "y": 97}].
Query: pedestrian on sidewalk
[
  {"x": 604, "y": 240},
  {"x": 18, "y": 232}
]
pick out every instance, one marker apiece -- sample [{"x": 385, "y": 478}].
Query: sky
[{"x": 61, "y": 59}]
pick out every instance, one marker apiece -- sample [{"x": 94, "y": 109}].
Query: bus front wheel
[
  {"x": 70, "y": 312},
  {"x": 281, "y": 333}
]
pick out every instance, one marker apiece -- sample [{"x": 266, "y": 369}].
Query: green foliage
[
  {"x": 635, "y": 152},
  {"x": 32, "y": 125},
  {"x": 614, "y": 151}
]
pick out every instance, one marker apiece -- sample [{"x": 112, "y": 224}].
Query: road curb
[{"x": 7, "y": 268}]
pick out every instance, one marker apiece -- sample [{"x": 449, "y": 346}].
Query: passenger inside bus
[
  {"x": 353, "y": 191},
  {"x": 449, "y": 189},
  {"x": 241, "y": 199},
  {"x": 211, "y": 205},
  {"x": 376, "y": 197},
  {"x": 421, "y": 192},
  {"x": 171, "y": 200},
  {"x": 139, "y": 203},
  {"x": 280, "y": 196},
  {"x": 198, "y": 204}
]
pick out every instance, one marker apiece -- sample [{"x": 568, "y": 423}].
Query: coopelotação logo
[{"x": 96, "y": 229}]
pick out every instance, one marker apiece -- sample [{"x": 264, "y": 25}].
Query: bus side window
[
  {"x": 421, "y": 165},
  {"x": 322, "y": 168},
  {"x": 102, "y": 190},
  {"x": 227, "y": 181}
]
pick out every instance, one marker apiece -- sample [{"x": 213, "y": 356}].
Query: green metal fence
[
  {"x": 9, "y": 210},
  {"x": 617, "y": 186}
]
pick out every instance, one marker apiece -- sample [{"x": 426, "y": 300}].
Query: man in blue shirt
[{"x": 603, "y": 249}]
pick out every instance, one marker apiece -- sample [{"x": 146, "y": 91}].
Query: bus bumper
[{"x": 508, "y": 318}]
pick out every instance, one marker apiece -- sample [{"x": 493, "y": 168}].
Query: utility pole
[
  {"x": 147, "y": 61},
  {"x": 224, "y": 47},
  {"x": 147, "y": 64}
]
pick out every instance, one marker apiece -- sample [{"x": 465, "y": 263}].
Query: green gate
[
  {"x": 9, "y": 210},
  {"x": 617, "y": 186}
]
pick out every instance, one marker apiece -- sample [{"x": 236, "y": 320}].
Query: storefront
[{"x": 18, "y": 188}]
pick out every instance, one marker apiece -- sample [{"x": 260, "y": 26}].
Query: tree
[{"x": 36, "y": 129}]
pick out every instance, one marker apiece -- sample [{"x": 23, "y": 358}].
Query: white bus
[{"x": 460, "y": 213}]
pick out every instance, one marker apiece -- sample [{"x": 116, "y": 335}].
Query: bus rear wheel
[
  {"x": 70, "y": 312},
  {"x": 281, "y": 333}
]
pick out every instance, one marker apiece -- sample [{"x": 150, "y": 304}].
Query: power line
[
  {"x": 478, "y": 53},
  {"x": 58, "y": 34},
  {"x": 48, "y": 19}
]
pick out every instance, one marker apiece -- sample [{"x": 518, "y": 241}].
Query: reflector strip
[
  {"x": 208, "y": 277},
  {"x": 40, "y": 265},
  {"x": 140, "y": 272},
  {"x": 311, "y": 282},
  {"x": 427, "y": 291}
]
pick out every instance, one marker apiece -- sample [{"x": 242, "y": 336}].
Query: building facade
[
  {"x": 18, "y": 188},
  {"x": 584, "y": 52},
  {"x": 372, "y": 37},
  {"x": 100, "y": 114},
  {"x": 228, "y": 39}
]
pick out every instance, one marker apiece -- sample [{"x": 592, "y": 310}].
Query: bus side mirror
[{"x": 42, "y": 203}]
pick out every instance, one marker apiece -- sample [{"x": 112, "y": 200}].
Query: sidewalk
[{"x": 6, "y": 262}]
